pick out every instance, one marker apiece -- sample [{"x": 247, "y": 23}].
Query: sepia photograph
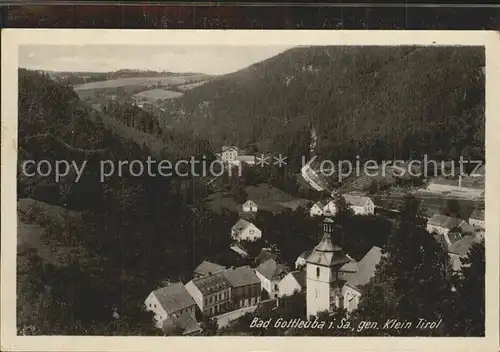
[{"x": 263, "y": 187}]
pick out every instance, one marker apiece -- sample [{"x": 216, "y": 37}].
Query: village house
[
  {"x": 171, "y": 302},
  {"x": 245, "y": 286},
  {"x": 207, "y": 268},
  {"x": 293, "y": 282},
  {"x": 300, "y": 262},
  {"x": 249, "y": 207},
  {"x": 317, "y": 209},
  {"x": 476, "y": 219},
  {"x": 229, "y": 153},
  {"x": 211, "y": 293},
  {"x": 360, "y": 205},
  {"x": 185, "y": 323},
  {"x": 244, "y": 230},
  {"x": 442, "y": 224},
  {"x": 270, "y": 273},
  {"x": 459, "y": 250},
  {"x": 330, "y": 209},
  {"x": 264, "y": 255},
  {"x": 365, "y": 270}
]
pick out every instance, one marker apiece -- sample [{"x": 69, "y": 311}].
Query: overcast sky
[{"x": 210, "y": 60}]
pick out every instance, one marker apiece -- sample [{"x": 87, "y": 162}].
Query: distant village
[{"x": 325, "y": 275}]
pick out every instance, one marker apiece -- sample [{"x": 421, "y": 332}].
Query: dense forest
[{"x": 376, "y": 102}]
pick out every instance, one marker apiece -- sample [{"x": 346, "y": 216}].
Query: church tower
[{"x": 324, "y": 274}]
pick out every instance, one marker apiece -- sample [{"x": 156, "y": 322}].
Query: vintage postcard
[{"x": 163, "y": 188}]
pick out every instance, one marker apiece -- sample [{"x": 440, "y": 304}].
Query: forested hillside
[
  {"x": 121, "y": 244},
  {"x": 376, "y": 102}
]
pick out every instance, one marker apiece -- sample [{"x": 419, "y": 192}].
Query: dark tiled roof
[
  {"x": 454, "y": 236},
  {"x": 264, "y": 255},
  {"x": 206, "y": 268},
  {"x": 211, "y": 283},
  {"x": 462, "y": 246},
  {"x": 271, "y": 270},
  {"x": 366, "y": 268},
  {"x": 241, "y": 276},
  {"x": 327, "y": 254},
  {"x": 300, "y": 276},
  {"x": 174, "y": 297},
  {"x": 477, "y": 215},
  {"x": 357, "y": 200},
  {"x": 444, "y": 221},
  {"x": 186, "y": 322}
]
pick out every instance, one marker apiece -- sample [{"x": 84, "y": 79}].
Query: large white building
[{"x": 326, "y": 272}]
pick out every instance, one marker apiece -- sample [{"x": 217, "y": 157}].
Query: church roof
[{"x": 327, "y": 254}]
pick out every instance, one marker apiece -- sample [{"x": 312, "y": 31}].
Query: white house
[
  {"x": 301, "y": 260},
  {"x": 229, "y": 153},
  {"x": 330, "y": 209},
  {"x": 477, "y": 219},
  {"x": 293, "y": 282},
  {"x": 360, "y": 205},
  {"x": 442, "y": 224},
  {"x": 270, "y": 274},
  {"x": 352, "y": 289},
  {"x": 317, "y": 209},
  {"x": 211, "y": 293},
  {"x": 244, "y": 230},
  {"x": 250, "y": 207},
  {"x": 170, "y": 301}
]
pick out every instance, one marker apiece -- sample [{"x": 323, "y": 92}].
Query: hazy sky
[{"x": 209, "y": 59}]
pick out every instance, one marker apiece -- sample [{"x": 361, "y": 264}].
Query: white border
[{"x": 13, "y": 38}]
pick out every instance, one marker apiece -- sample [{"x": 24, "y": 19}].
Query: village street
[{"x": 224, "y": 319}]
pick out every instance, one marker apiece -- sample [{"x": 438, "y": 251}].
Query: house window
[
  {"x": 317, "y": 272},
  {"x": 205, "y": 301},
  {"x": 276, "y": 287}
]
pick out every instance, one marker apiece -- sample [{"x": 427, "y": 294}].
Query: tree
[
  {"x": 470, "y": 295},
  {"x": 411, "y": 281}
]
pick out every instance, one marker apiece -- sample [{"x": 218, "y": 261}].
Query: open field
[
  {"x": 158, "y": 94},
  {"x": 189, "y": 86},
  {"x": 141, "y": 81}
]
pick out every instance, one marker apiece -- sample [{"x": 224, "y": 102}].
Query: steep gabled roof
[
  {"x": 241, "y": 225},
  {"x": 250, "y": 203},
  {"x": 241, "y": 276},
  {"x": 477, "y": 215},
  {"x": 206, "y": 268},
  {"x": 174, "y": 297},
  {"x": 211, "y": 283},
  {"x": 327, "y": 254},
  {"x": 356, "y": 200},
  {"x": 444, "y": 221},
  {"x": 271, "y": 270},
  {"x": 366, "y": 268},
  {"x": 300, "y": 277},
  {"x": 462, "y": 246}
]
